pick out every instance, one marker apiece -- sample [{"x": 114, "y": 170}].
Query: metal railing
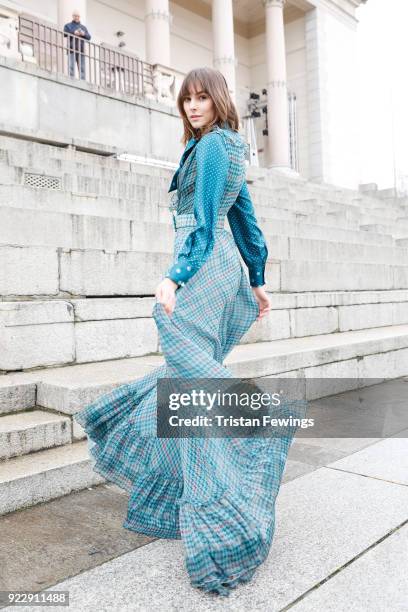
[{"x": 71, "y": 55}]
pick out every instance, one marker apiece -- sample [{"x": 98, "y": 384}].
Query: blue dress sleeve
[
  {"x": 248, "y": 236},
  {"x": 212, "y": 172}
]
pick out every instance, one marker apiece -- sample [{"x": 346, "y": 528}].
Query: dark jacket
[{"x": 69, "y": 28}]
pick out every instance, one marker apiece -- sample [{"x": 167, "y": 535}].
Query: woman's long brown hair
[{"x": 213, "y": 82}]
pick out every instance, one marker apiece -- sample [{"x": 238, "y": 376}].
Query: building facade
[{"x": 290, "y": 66}]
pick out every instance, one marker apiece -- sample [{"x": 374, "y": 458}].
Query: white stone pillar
[
  {"x": 65, "y": 9},
  {"x": 157, "y": 32},
  {"x": 223, "y": 42},
  {"x": 277, "y": 96}
]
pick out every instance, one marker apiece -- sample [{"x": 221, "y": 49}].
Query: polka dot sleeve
[
  {"x": 212, "y": 173},
  {"x": 248, "y": 236}
]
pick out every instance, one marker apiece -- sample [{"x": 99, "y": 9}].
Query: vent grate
[{"x": 42, "y": 181}]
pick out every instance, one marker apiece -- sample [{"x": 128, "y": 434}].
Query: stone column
[
  {"x": 223, "y": 42},
  {"x": 65, "y": 9},
  {"x": 157, "y": 32},
  {"x": 277, "y": 96}
]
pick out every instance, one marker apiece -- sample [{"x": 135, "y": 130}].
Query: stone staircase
[{"x": 84, "y": 240}]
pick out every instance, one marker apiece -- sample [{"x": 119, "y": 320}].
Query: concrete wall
[
  {"x": 37, "y": 101},
  {"x": 332, "y": 119},
  {"x": 342, "y": 58}
]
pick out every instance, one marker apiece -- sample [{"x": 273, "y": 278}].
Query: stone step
[
  {"x": 307, "y": 229},
  {"x": 377, "y": 214},
  {"x": 304, "y": 249},
  {"x": 345, "y": 218},
  {"x": 35, "y": 430},
  {"x": 114, "y": 191},
  {"x": 53, "y": 272},
  {"x": 389, "y": 192},
  {"x": 399, "y": 229},
  {"x": 44, "y": 475},
  {"x": 58, "y": 332},
  {"x": 23, "y": 153},
  {"x": 332, "y": 203},
  {"x": 127, "y": 187},
  {"x": 27, "y": 227},
  {"x": 133, "y": 184},
  {"x": 108, "y": 219},
  {"x": 57, "y": 158},
  {"x": 324, "y": 206},
  {"x": 143, "y": 207},
  {"x": 17, "y": 396},
  {"x": 27, "y": 154},
  {"x": 362, "y": 217},
  {"x": 380, "y": 352},
  {"x": 364, "y": 187},
  {"x": 88, "y": 168},
  {"x": 331, "y": 276},
  {"x": 69, "y": 387},
  {"x": 44, "y": 228},
  {"x": 347, "y": 215},
  {"x": 340, "y": 220},
  {"x": 49, "y": 271},
  {"x": 386, "y": 212},
  {"x": 352, "y": 358},
  {"x": 20, "y": 153},
  {"x": 313, "y": 190}
]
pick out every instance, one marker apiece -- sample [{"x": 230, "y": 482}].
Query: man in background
[{"x": 74, "y": 30}]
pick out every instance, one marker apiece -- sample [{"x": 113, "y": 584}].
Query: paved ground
[{"x": 341, "y": 540}]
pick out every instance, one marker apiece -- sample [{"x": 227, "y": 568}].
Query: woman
[{"x": 216, "y": 494}]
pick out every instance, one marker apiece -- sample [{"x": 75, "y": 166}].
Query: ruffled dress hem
[{"x": 153, "y": 496}]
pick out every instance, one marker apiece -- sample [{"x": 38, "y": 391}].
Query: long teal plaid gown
[{"x": 216, "y": 494}]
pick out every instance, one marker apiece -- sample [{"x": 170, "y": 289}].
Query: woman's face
[{"x": 199, "y": 109}]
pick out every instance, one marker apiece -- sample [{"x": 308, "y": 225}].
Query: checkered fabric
[{"x": 216, "y": 494}]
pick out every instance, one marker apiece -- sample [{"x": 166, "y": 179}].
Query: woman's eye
[{"x": 188, "y": 97}]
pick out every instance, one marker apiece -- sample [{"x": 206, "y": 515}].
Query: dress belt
[{"x": 188, "y": 220}]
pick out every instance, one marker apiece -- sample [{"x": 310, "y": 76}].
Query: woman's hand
[
  {"x": 166, "y": 294},
  {"x": 264, "y": 302}
]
